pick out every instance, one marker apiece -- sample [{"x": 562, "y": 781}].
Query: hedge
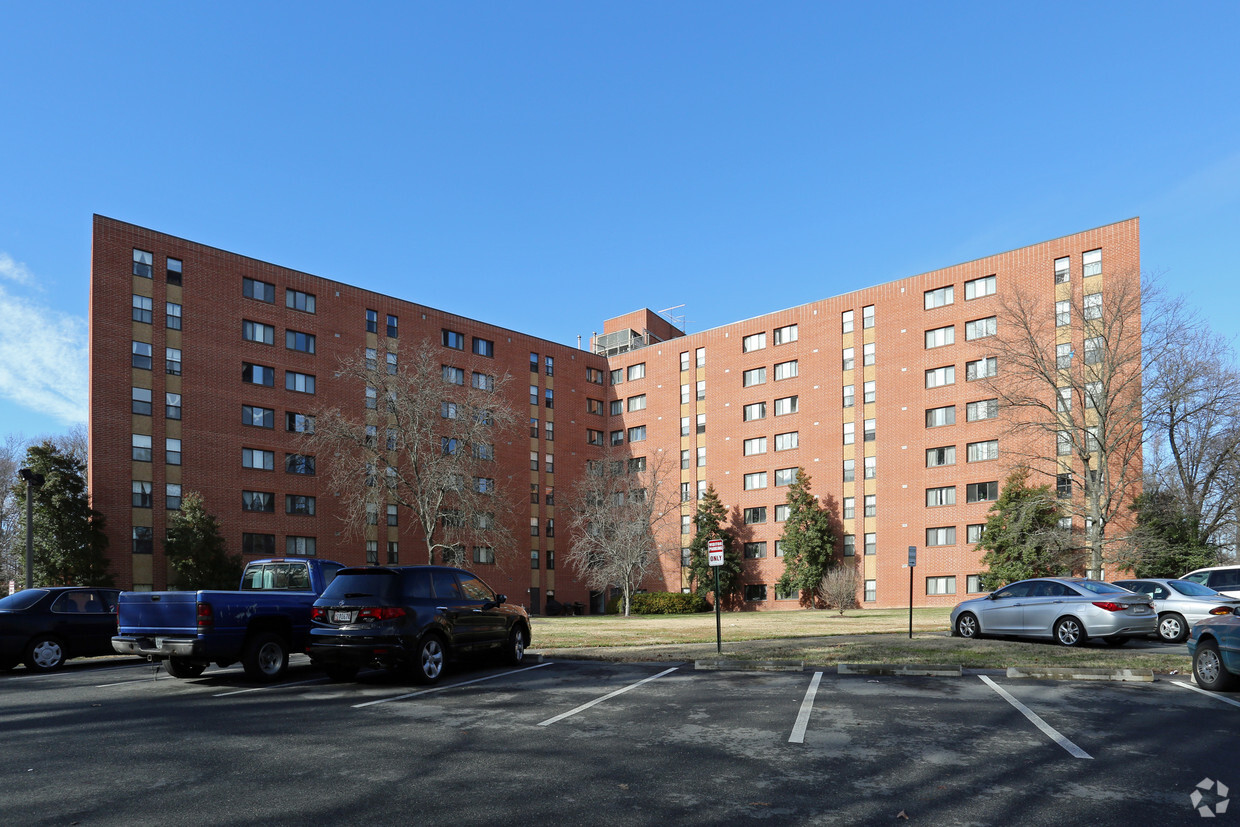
[{"x": 659, "y": 603}]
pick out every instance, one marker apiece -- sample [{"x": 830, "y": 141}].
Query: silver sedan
[
  {"x": 1180, "y": 604},
  {"x": 1068, "y": 610}
]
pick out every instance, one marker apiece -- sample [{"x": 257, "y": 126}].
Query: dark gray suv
[{"x": 412, "y": 618}]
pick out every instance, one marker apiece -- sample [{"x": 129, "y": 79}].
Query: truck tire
[
  {"x": 182, "y": 668},
  {"x": 265, "y": 657}
]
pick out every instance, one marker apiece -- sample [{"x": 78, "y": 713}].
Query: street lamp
[{"x": 33, "y": 481}]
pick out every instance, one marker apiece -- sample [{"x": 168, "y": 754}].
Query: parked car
[
  {"x": 1214, "y": 646},
  {"x": 1225, "y": 579},
  {"x": 412, "y": 617},
  {"x": 1069, "y": 610},
  {"x": 45, "y": 627},
  {"x": 1180, "y": 604}
]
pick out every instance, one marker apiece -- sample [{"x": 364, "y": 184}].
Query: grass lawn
[{"x": 823, "y": 638}]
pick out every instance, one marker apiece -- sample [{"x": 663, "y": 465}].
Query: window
[
  {"x": 849, "y": 395},
  {"x": 1095, "y": 347},
  {"x": 1091, "y": 263},
  {"x": 848, "y": 359},
  {"x": 638, "y": 464},
  {"x": 549, "y": 365},
  {"x": 755, "y": 481},
  {"x": 295, "y": 340},
  {"x": 483, "y": 381},
  {"x": 258, "y": 459},
  {"x": 637, "y": 371},
  {"x": 453, "y": 376},
  {"x": 534, "y": 527},
  {"x": 637, "y": 403},
  {"x": 849, "y": 508},
  {"x": 172, "y": 315},
  {"x": 686, "y": 492},
  {"x": 846, "y": 321},
  {"x": 937, "y": 417},
  {"x": 142, "y": 309},
  {"x": 1062, "y": 267},
  {"x": 755, "y": 551},
  {"x": 871, "y": 505},
  {"x": 936, "y": 457},
  {"x": 699, "y": 359},
  {"x": 781, "y": 513},
  {"x": 945, "y": 536},
  {"x": 941, "y": 297},
  {"x": 755, "y": 515},
  {"x": 755, "y": 410},
  {"x": 257, "y": 417},
  {"x": 754, "y": 341},
  {"x": 617, "y": 407},
  {"x": 594, "y": 437},
  {"x": 871, "y": 467},
  {"x": 785, "y": 476},
  {"x": 868, "y": 389},
  {"x": 298, "y": 423},
  {"x": 945, "y": 495},
  {"x": 701, "y": 390},
  {"x": 980, "y": 451},
  {"x": 867, "y": 316},
  {"x": 976, "y": 288},
  {"x": 1063, "y": 486},
  {"x": 172, "y": 361},
  {"x": 850, "y": 545},
  {"x": 594, "y": 406},
  {"x": 257, "y": 332},
  {"x": 753, "y": 376},
  {"x": 617, "y": 437},
  {"x": 172, "y": 405},
  {"x": 686, "y": 426},
  {"x": 305, "y": 547},
  {"x": 141, "y": 494},
  {"x": 1063, "y": 400},
  {"x": 299, "y": 464},
  {"x": 867, "y": 354},
  {"x": 981, "y": 368},
  {"x": 871, "y": 591},
  {"x": 785, "y": 334},
  {"x": 701, "y": 489},
  {"x": 941, "y": 585},
  {"x": 298, "y": 300},
  {"x": 785, "y": 370},
  {"x": 1093, "y": 395},
  {"x": 779, "y": 552},
  {"x": 1063, "y": 356},
  {"x": 973, "y": 533},
  {"x": 372, "y": 321},
  {"x": 686, "y": 394},
  {"x": 260, "y": 290},
  {"x": 485, "y": 347},
  {"x": 172, "y": 496},
  {"x": 637, "y": 433},
  {"x": 258, "y": 374},
  {"x": 871, "y": 543},
  {"x": 549, "y": 431},
  {"x": 143, "y": 539},
  {"x": 142, "y": 355},
  {"x": 700, "y": 423},
  {"x": 263, "y": 501},
  {"x": 788, "y": 441},
  {"x": 850, "y": 470},
  {"x": 142, "y": 401},
  {"x": 980, "y": 328},
  {"x": 976, "y": 492},
  {"x": 142, "y": 263},
  {"x": 850, "y": 433},
  {"x": 393, "y": 326},
  {"x": 300, "y": 382},
  {"x": 983, "y": 409},
  {"x": 973, "y": 583},
  {"x": 940, "y": 336},
  {"x": 755, "y": 445},
  {"x": 617, "y": 376},
  {"x": 1063, "y": 313},
  {"x": 1093, "y": 306},
  {"x": 939, "y": 377},
  {"x": 174, "y": 271},
  {"x": 785, "y": 405},
  {"x": 172, "y": 451},
  {"x": 755, "y": 592},
  {"x": 452, "y": 339}
]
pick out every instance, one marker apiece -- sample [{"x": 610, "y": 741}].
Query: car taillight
[
  {"x": 1109, "y": 606},
  {"x": 380, "y": 613},
  {"x": 1221, "y": 610},
  {"x": 318, "y": 613},
  {"x": 206, "y": 617}
]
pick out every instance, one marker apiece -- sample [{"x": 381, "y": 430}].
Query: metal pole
[
  {"x": 910, "y": 602},
  {"x": 29, "y": 537},
  {"x": 718, "y": 620}
]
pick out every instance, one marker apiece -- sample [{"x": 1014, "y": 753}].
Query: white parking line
[
  {"x": 1208, "y": 694},
  {"x": 609, "y": 695},
  {"x": 1051, "y": 732},
  {"x": 451, "y": 686},
  {"x": 269, "y": 686},
  {"x": 807, "y": 706}
]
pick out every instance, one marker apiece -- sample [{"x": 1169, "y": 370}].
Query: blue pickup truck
[{"x": 258, "y": 625}]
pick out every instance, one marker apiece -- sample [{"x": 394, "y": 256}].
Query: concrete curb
[
  {"x": 1080, "y": 673},
  {"x": 729, "y": 665},
  {"x": 901, "y": 670}
]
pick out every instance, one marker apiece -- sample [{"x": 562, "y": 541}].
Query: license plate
[
  {"x": 339, "y": 616},
  {"x": 1140, "y": 610}
]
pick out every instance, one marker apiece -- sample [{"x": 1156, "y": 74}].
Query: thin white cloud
[{"x": 43, "y": 353}]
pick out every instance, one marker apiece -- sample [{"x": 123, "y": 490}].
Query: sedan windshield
[
  {"x": 22, "y": 600},
  {"x": 1193, "y": 589},
  {"x": 1098, "y": 587}
]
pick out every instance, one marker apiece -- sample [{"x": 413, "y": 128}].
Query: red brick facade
[{"x": 212, "y": 393}]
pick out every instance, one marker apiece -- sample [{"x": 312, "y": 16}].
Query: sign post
[
  {"x": 714, "y": 556},
  {"x": 912, "y": 564}
]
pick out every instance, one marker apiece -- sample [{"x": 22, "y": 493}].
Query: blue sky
[{"x": 544, "y": 166}]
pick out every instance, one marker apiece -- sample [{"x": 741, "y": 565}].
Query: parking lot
[{"x": 109, "y": 742}]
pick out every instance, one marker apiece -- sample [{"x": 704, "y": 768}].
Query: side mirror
[{"x": 501, "y": 599}]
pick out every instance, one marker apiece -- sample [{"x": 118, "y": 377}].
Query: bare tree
[
  {"x": 12, "y": 512},
  {"x": 839, "y": 586},
  {"x": 424, "y": 442},
  {"x": 1068, "y": 375},
  {"x": 616, "y": 513}
]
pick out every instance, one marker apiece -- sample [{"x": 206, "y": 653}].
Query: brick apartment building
[{"x": 202, "y": 380}]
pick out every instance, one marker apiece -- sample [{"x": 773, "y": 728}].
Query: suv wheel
[
  {"x": 1208, "y": 668},
  {"x": 429, "y": 659},
  {"x": 515, "y": 652}
]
